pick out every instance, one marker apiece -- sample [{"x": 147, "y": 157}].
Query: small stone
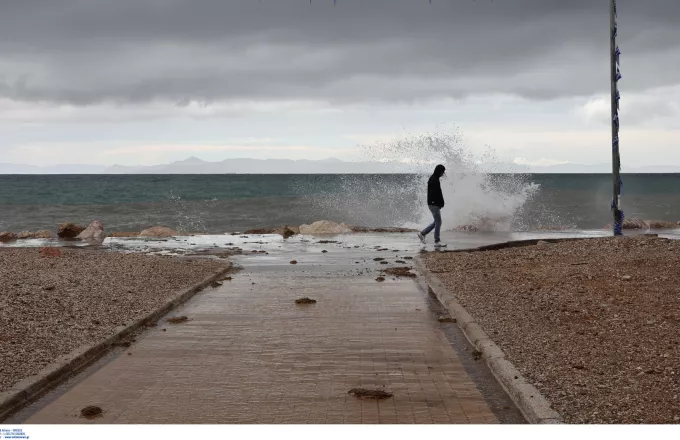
[
  {"x": 177, "y": 320},
  {"x": 91, "y": 412}
]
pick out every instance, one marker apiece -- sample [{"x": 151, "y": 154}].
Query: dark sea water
[{"x": 223, "y": 203}]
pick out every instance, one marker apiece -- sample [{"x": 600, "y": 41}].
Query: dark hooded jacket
[{"x": 434, "y": 189}]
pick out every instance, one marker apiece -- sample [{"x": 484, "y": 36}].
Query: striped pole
[{"x": 616, "y": 159}]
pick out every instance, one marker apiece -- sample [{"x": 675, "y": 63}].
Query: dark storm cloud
[{"x": 89, "y": 51}]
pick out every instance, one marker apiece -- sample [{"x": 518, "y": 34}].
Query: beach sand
[
  {"x": 50, "y": 306},
  {"x": 594, "y": 324}
]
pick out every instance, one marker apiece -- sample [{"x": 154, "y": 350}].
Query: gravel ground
[
  {"x": 50, "y": 306},
  {"x": 593, "y": 324}
]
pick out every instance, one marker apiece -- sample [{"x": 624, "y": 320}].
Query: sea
[{"x": 215, "y": 204}]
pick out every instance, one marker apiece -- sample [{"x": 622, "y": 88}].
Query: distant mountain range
[{"x": 195, "y": 165}]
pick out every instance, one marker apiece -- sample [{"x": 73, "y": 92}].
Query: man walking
[{"x": 435, "y": 201}]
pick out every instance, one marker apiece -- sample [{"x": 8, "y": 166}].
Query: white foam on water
[{"x": 477, "y": 194}]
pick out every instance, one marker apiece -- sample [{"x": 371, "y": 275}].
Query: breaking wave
[{"x": 480, "y": 195}]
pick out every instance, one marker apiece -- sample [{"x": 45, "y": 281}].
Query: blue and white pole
[{"x": 616, "y": 158}]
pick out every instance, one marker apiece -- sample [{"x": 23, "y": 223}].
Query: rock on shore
[
  {"x": 636, "y": 223},
  {"x": 284, "y": 231},
  {"x": 69, "y": 230},
  {"x": 158, "y": 231},
  {"x": 7, "y": 236},
  {"x": 93, "y": 232},
  {"x": 43, "y": 234},
  {"x": 325, "y": 227}
]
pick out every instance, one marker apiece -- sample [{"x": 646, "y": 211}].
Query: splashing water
[
  {"x": 479, "y": 195},
  {"x": 186, "y": 216}
]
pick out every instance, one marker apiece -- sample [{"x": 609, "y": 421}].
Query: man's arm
[{"x": 440, "y": 194}]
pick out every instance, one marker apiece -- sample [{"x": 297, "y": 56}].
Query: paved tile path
[{"x": 249, "y": 354}]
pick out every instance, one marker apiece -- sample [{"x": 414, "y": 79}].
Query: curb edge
[
  {"x": 31, "y": 388},
  {"x": 532, "y": 404}
]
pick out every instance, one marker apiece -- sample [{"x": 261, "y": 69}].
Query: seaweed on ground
[
  {"x": 91, "y": 412},
  {"x": 370, "y": 394},
  {"x": 400, "y": 272},
  {"x": 178, "y": 319}
]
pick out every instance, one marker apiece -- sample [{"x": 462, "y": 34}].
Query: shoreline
[{"x": 96, "y": 232}]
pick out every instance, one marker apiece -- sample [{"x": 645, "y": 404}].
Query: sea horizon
[{"x": 216, "y": 203}]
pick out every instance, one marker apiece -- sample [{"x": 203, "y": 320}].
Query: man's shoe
[
  {"x": 421, "y": 237},
  {"x": 440, "y": 245}
]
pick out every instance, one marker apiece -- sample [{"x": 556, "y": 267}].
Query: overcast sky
[{"x": 139, "y": 82}]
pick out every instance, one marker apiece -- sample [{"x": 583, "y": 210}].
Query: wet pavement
[{"x": 249, "y": 354}]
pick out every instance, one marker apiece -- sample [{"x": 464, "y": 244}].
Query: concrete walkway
[{"x": 249, "y": 354}]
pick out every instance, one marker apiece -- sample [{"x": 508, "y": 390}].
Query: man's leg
[
  {"x": 436, "y": 212},
  {"x": 429, "y": 228}
]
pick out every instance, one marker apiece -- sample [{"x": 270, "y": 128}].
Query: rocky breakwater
[{"x": 23, "y": 235}]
